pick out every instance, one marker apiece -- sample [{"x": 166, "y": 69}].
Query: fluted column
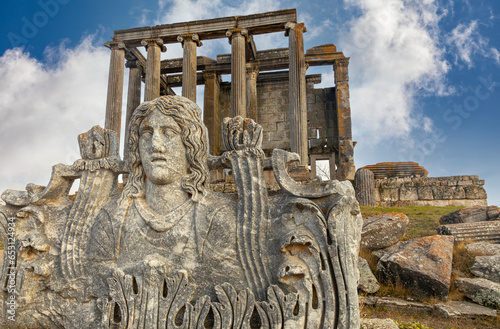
[
  {"x": 345, "y": 159},
  {"x": 115, "y": 86},
  {"x": 252, "y": 73},
  {"x": 189, "y": 64},
  {"x": 211, "y": 109},
  {"x": 154, "y": 48},
  {"x": 237, "y": 39},
  {"x": 133, "y": 96},
  {"x": 297, "y": 91}
]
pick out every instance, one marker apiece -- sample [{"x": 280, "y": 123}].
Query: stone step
[{"x": 475, "y": 231}]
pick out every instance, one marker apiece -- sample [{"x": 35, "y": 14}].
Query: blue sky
[{"x": 424, "y": 76}]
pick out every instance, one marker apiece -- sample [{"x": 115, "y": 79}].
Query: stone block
[
  {"x": 425, "y": 193},
  {"x": 481, "y": 291},
  {"x": 378, "y": 324},
  {"x": 487, "y": 267},
  {"x": 422, "y": 265},
  {"x": 383, "y": 231},
  {"x": 472, "y": 214},
  {"x": 367, "y": 281},
  {"x": 408, "y": 193},
  {"x": 483, "y": 248}
]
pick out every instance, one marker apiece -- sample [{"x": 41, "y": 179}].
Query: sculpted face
[{"x": 162, "y": 151}]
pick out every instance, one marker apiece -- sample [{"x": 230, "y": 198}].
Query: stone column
[
  {"x": 133, "y": 97},
  {"x": 189, "y": 64},
  {"x": 211, "y": 110},
  {"x": 237, "y": 39},
  {"x": 297, "y": 91},
  {"x": 115, "y": 87},
  {"x": 252, "y": 73},
  {"x": 154, "y": 48},
  {"x": 345, "y": 159}
]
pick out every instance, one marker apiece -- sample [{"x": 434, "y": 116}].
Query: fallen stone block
[
  {"x": 481, "y": 291},
  {"x": 472, "y": 214},
  {"x": 487, "y": 267},
  {"x": 475, "y": 231},
  {"x": 378, "y": 324},
  {"x": 456, "y": 309},
  {"x": 422, "y": 265},
  {"x": 483, "y": 248},
  {"x": 383, "y": 230},
  {"x": 397, "y": 305},
  {"x": 367, "y": 281}
]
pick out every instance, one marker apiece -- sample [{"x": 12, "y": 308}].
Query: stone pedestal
[
  {"x": 298, "y": 96},
  {"x": 189, "y": 65},
  {"x": 115, "y": 86},
  {"x": 154, "y": 48},
  {"x": 237, "y": 39},
  {"x": 211, "y": 110},
  {"x": 252, "y": 73}
]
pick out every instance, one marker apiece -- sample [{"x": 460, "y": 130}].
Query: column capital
[
  {"x": 190, "y": 37},
  {"x": 207, "y": 75},
  {"x": 132, "y": 63},
  {"x": 252, "y": 71},
  {"x": 236, "y": 32},
  {"x": 294, "y": 26},
  {"x": 340, "y": 67},
  {"x": 341, "y": 62},
  {"x": 115, "y": 44},
  {"x": 149, "y": 42}
]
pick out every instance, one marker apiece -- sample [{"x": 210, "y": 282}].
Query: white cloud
[
  {"x": 44, "y": 107},
  {"x": 395, "y": 55},
  {"x": 466, "y": 42}
]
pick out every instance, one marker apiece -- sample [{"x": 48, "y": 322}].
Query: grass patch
[{"x": 423, "y": 220}]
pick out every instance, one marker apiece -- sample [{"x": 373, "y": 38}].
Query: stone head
[{"x": 167, "y": 142}]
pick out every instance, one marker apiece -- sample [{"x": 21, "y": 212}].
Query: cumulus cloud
[
  {"x": 466, "y": 42},
  {"x": 396, "y": 55},
  {"x": 45, "y": 106}
]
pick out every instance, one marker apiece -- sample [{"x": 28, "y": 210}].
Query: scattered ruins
[
  {"x": 406, "y": 184},
  {"x": 167, "y": 251}
]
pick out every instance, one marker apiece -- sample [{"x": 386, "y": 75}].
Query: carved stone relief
[{"x": 167, "y": 252}]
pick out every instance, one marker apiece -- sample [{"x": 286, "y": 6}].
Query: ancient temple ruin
[
  {"x": 166, "y": 251},
  {"x": 269, "y": 85}
]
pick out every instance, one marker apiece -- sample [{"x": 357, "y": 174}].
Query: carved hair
[{"x": 194, "y": 136}]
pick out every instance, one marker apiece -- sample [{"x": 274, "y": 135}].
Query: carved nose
[{"x": 157, "y": 143}]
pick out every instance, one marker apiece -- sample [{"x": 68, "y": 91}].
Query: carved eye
[{"x": 147, "y": 134}]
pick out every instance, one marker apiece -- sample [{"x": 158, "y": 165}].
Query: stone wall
[
  {"x": 464, "y": 191},
  {"x": 273, "y": 113}
]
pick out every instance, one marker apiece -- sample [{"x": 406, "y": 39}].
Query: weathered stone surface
[
  {"x": 483, "y": 249},
  {"x": 475, "y": 231},
  {"x": 397, "y": 304},
  {"x": 473, "y": 214},
  {"x": 378, "y": 324},
  {"x": 423, "y": 265},
  {"x": 382, "y": 231},
  {"x": 487, "y": 267},
  {"x": 481, "y": 291},
  {"x": 367, "y": 281},
  {"x": 396, "y": 169},
  {"x": 167, "y": 251},
  {"x": 364, "y": 182},
  {"x": 462, "y": 191},
  {"x": 456, "y": 309},
  {"x": 380, "y": 253}
]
